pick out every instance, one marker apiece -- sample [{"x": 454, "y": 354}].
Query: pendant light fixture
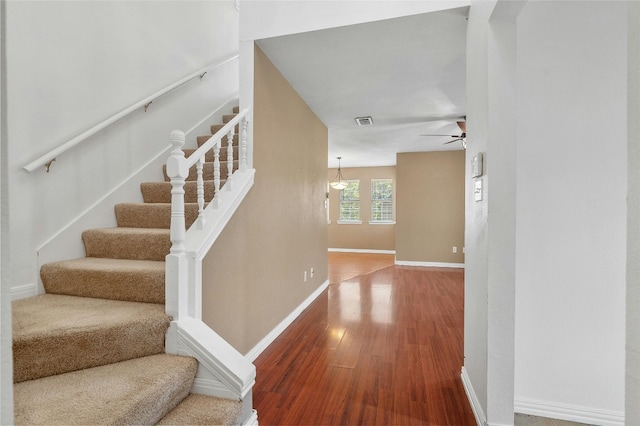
[{"x": 338, "y": 182}]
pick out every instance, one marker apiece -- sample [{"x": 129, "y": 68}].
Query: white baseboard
[
  {"x": 478, "y": 412},
  {"x": 24, "y": 291},
  {"x": 567, "y": 412},
  {"x": 430, "y": 264},
  {"x": 350, "y": 250},
  {"x": 252, "y": 420},
  {"x": 269, "y": 338},
  {"x": 212, "y": 388}
]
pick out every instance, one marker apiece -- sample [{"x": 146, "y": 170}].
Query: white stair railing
[{"x": 224, "y": 371}]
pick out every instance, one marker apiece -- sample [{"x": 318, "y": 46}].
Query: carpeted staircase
[{"x": 91, "y": 349}]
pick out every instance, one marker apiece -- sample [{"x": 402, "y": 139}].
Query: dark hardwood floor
[{"x": 384, "y": 348}]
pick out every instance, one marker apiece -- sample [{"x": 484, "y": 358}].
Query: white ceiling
[{"x": 407, "y": 73}]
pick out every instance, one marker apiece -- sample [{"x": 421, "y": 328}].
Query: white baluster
[
  {"x": 216, "y": 175},
  {"x": 243, "y": 145},
  {"x": 200, "y": 192},
  {"x": 230, "y": 158}
]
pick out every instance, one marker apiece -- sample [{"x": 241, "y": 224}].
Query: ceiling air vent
[{"x": 364, "y": 121}]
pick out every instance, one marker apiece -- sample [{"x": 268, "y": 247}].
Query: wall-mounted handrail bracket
[
  {"x": 202, "y": 75},
  {"x": 147, "y": 105},
  {"x": 47, "y": 166}
]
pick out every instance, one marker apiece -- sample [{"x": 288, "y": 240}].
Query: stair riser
[
  {"x": 135, "y": 392},
  {"x": 225, "y": 140},
  {"x": 207, "y": 171},
  {"x": 160, "y": 192},
  {"x": 138, "y": 247},
  {"x": 151, "y": 215},
  {"x": 208, "y": 157},
  {"x": 217, "y": 127},
  {"x": 131, "y": 286},
  {"x": 75, "y": 349}
]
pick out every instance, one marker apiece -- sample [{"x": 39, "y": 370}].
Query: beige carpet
[
  {"x": 139, "y": 391},
  {"x": 91, "y": 350}
]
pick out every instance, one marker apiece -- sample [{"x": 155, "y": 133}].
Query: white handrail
[
  {"x": 46, "y": 159},
  {"x": 224, "y": 131}
]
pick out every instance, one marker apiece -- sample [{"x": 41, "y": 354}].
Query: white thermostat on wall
[{"x": 476, "y": 165}]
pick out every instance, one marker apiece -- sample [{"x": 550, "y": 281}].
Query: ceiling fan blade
[{"x": 453, "y": 140}]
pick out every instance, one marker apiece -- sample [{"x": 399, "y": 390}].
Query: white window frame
[
  {"x": 359, "y": 200},
  {"x": 373, "y": 200}
]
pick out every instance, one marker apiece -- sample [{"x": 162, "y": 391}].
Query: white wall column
[
  {"x": 571, "y": 256},
  {"x": 632, "y": 394},
  {"x": 501, "y": 146},
  {"x": 6, "y": 359}
]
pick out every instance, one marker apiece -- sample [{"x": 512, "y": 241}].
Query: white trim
[
  {"x": 24, "y": 291},
  {"x": 211, "y": 387},
  {"x": 349, "y": 222},
  {"x": 252, "y": 420},
  {"x": 430, "y": 264},
  {"x": 352, "y": 250},
  {"x": 160, "y": 157},
  {"x": 223, "y": 370},
  {"x": 199, "y": 241},
  {"x": 389, "y": 222},
  {"x": 568, "y": 412},
  {"x": 273, "y": 334},
  {"x": 478, "y": 412}
]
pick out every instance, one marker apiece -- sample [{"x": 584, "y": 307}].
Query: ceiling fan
[{"x": 462, "y": 124}]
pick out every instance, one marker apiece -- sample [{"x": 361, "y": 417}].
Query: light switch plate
[{"x": 478, "y": 190}]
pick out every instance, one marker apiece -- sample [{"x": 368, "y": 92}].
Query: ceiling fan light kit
[{"x": 338, "y": 182}]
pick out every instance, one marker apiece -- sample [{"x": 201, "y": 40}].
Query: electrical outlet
[
  {"x": 454, "y": 249},
  {"x": 311, "y": 271},
  {"x": 305, "y": 276}
]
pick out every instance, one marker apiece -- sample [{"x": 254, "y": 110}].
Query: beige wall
[
  {"x": 253, "y": 276},
  {"x": 360, "y": 236},
  {"x": 430, "y": 206}
]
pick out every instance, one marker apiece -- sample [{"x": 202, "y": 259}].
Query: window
[
  {"x": 350, "y": 203},
  {"x": 381, "y": 200}
]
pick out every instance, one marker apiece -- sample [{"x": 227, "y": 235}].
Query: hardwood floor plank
[{"x": 384, "y": 347}]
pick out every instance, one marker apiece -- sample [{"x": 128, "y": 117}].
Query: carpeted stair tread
[
  {"x": 127, "y": 243},
  {"x": 115, "y": 279},
  {"x": 151, "y": 215},
  {"x": 134, "y": 392},
  {"x": 55, "y": 334},
  {"x": 228, "y": 117},
  {"x": 207, "y": 171},
  {"x": 204, "y": 410},
  {"x": 236, "y": 110},
  {"x": 160, "y": 192}
]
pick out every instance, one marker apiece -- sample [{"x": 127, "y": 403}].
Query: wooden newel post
[{"x": 177, "y": 172}]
